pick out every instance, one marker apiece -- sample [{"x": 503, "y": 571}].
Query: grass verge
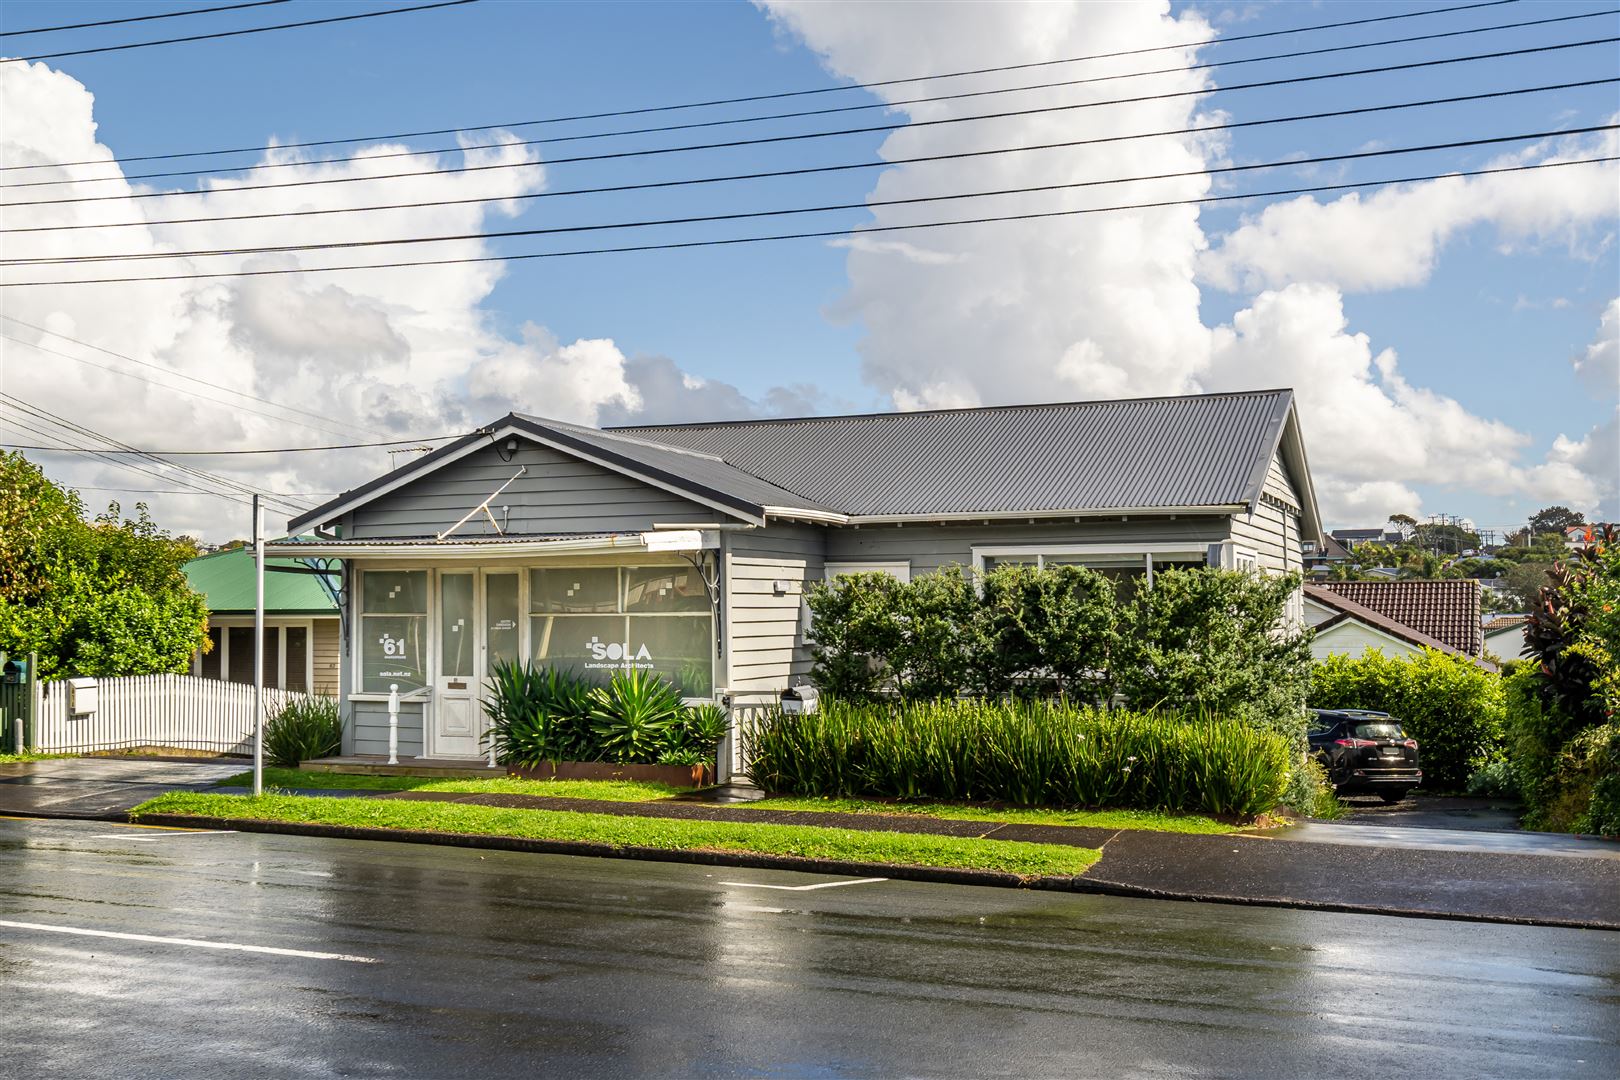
[
  {"x": 609, "y": 790},
  {"x": 809, "y": 842},
  {"x": 1151, "y": 820},
  {"x": 12, "y": 759}
]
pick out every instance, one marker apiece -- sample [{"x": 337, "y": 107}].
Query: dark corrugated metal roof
[
  {"x": 1205, "y": 450},
  {"x": 1209, "y": 450},
  {"x": 709, "y": 472}
]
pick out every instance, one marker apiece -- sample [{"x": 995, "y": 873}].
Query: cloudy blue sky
[{"x": 1454, "y": 342}]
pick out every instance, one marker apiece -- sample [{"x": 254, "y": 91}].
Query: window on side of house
[
  {"x": 1128, "y": 569},
  {"x": 393, "y": 630},
  {"x": 598, "y": 620}
]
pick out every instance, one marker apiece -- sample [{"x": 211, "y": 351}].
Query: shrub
[
  {"x": 1200, "y": 639},
  {"x": 632, "y": 715},
  {"x": 1310, "y": 793},
  {"x": 1494, "y": 780},
  {"x": 545, "y": 714},
  {"x": 1450, "y": 705},
  {"x": 1029, "y": 753},
  {"x": 538, "y": 715},
  {"x": 1216, "y": 641},
  {"x": 1044, "y": 631},
  {"x": 302, "y": 730}
]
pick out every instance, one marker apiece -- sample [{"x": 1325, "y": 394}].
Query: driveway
[{"x": 101, "y": 787}]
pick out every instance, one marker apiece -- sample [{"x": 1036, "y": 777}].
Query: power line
[
  {"x": 746, "y": 215},
  {"x": 821, "y": 234},
  {"x": 104, "y": 455},
  {"x": 114, "y": 462},
  {"x": 237, "y": 33},
  {"x": 16, "y": 403},
  {"x": 837, "y": 110},
  {"x": 178, "y": 375},
  {"x": 173, "y": 389},
  {"x": 815, "y": 169},
  {"x": 269, "y": 450},
  {"x": 184, "y": 491},
  {"x": 788, "y": 93},
  {"x": 139, "y": 18},
  {"x": 869, "y": 129}
]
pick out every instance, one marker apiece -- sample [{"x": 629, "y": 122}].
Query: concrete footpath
[{"x": 1530, "y": 878}]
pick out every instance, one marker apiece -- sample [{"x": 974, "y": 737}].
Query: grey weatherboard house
[{"x": 686, "y": 549}]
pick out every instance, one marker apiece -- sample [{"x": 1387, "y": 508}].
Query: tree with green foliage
[
  {"x": 99, "y": 597},
  {"x": 1564, "y": 706},
  {"x": 1216, "y": 641},
  {"x": 1524, "y": 582},
  {"x": 1555, "y": 519}
]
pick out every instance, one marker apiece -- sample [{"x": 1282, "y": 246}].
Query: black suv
[{"x": 1365, "y": 753}]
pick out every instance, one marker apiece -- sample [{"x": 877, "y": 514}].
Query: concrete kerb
[{"x": 746, "y": 860}]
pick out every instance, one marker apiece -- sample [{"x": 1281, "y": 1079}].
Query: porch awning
[{"x": 416, "y": 547}]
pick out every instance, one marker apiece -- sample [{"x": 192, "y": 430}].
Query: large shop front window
[
  {"x": 393, "y": 630},
  {"x": 599, "y": 620}
]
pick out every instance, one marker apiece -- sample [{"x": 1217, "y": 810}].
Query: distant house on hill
[
  {"x": 1504, "y": 637},
  {"x": 1397, "y": 618},
  {"x": 301, "y": 644},
  {"x": 1320, "y": 559},
  {"x": 1354, "y": 538}
]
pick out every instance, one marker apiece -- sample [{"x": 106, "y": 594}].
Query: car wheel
[{"x": 1392, "y": 796}]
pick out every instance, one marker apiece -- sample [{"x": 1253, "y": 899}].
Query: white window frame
[
  {"x": 277, "y": 624},
  {"x": 525, "y": 644},
  {"x": 1157, "y": 550},
  {"x": 357, "y": 639},
  {"x": 899, "y": 569}
]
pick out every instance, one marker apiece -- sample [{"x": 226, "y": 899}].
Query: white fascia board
[
  {"x": 451, "y": 550},
  {"x": 820, "y": 517}
]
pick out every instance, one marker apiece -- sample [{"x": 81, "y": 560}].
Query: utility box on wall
[{"x": 81, "y": 696}]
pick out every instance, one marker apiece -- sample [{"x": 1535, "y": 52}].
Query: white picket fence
[
  {"x": 747, "y": 710},
  {"x": 176, "y": 711}
]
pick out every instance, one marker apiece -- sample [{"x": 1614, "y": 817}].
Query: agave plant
[
  {"x": 538, "y": 715},
  {"x": 699, "y": 729},
  {"x": 632, "y": 715}
]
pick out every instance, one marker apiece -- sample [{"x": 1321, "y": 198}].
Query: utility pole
[{"x": 258, "y": 648}]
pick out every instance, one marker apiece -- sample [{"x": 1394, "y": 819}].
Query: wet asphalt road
[{"x": 497, "y": 964}]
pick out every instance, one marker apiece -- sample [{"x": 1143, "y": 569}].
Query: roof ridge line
[{"x": 896, "y": 414}]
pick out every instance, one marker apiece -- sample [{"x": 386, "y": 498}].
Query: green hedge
[
  {"x": 1026, "y": 753},
  {"x": 1213, "y": 641},
  {"x": 1451, "y": 706}
]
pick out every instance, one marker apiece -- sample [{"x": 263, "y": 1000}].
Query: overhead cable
[
  {"x": 730, "y": 121},
  {"x": 140, "y": 18},
  {"x": 181, "y": 375},
  {"x": 505, "y": 234},
  {"x": 803, "y": 136},
  {"x": 641, "y": 110},
  {"x": 813, "y": 169},
  {"x": 237, "y": 33},
  {"x": 819, "y": 234}
]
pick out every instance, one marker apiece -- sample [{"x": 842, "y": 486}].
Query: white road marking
[
  {"x": 228, "y": 946},
  {"x": 160, "y": 838},
  {"x": 805, "y": 888}
]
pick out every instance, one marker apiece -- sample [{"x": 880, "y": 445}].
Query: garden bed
[{"x": 675, "y": 776}]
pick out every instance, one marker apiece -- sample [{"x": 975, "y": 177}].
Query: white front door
[{"x": 456, "y": 718}]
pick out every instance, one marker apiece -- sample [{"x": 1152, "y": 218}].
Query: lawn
[
  {"x": 813, "y": 842},
  {"x": 12, "y": 759},
  {"x": 609, "y": 790},
  {"x": 1152, "y": 820}
]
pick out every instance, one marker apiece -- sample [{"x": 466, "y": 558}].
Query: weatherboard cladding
[{"x": 1209, "y": 450}]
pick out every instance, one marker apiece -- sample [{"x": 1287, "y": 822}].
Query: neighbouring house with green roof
[{"x": 301, "y": 628}]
